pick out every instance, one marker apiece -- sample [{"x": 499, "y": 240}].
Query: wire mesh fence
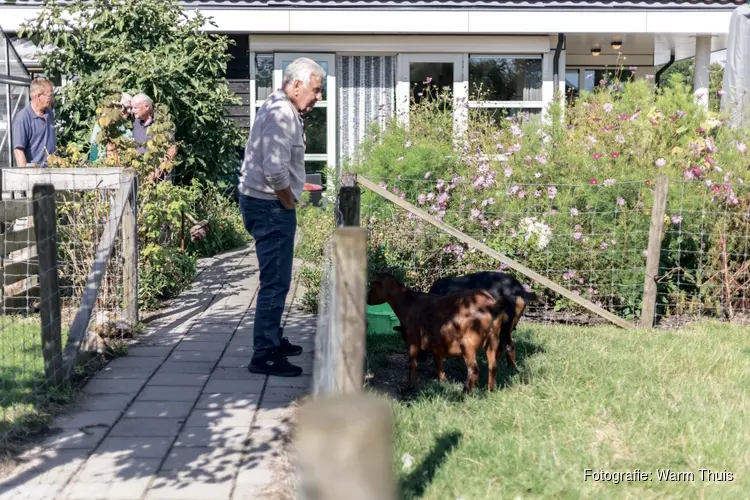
[
  {"x": 591, "y": 238},
  {"x": 69, "y": 296}
]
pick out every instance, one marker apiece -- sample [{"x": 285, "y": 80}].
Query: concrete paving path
[{"x": 179, "y": 417}]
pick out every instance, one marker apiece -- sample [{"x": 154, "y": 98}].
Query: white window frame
[
  {"x": 582, "y": 73},
  {"x": 540, "y": 105},
  {"x": 460, "y": 85},
  {"x": 329, "y": 103}
]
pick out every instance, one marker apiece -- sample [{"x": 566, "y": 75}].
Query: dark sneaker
[
  {"x": 274, "y": 364},
  {"x": 286, "y": 348}
]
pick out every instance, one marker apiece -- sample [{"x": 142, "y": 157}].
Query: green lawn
[
  {"x": 585, "y": 398},
  {"x": 24, "y": 399}
]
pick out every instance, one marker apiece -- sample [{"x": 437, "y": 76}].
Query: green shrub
[
  {"x": 315, "y": 226},
  {"x": 569, "y": 198},
  {"x": 164, "y": 273}
]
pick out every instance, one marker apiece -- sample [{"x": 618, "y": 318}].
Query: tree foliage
[{"x": 152, "y": 46}]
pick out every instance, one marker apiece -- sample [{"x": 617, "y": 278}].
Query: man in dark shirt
[
  {"x": 34, "y": 135},
  {"x": 143, "y": 111}
]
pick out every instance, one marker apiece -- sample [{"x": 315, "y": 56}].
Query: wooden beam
[
  {"x": 354, "y": 433},
  {"x": 11, "y": 210},
  {"x": 16, "y": 240},
  {"x": 45, "y": 225},
  {"x": 495, "y": 254},
  {"x": 130, "y": 256},
  {"x": 77, "y": 330},
  {"x": 653, "y": 254},
  {"x": 63, "y": 179},
  {"x": 349, "y": 308}
]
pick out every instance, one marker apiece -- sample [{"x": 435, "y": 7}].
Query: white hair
[
  {"x": 303, "y": 69},
  {"x": 142, "y": 98}
]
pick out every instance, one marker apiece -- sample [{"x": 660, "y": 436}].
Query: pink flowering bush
[{"x": 570, "y": 197}]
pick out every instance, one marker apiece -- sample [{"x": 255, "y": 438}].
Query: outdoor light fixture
[
  {"x": 616, "y": 44},
  {"x": 596, "y": 50}
]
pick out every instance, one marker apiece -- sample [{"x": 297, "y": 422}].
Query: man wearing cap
[{"x": 34, "y": 135}]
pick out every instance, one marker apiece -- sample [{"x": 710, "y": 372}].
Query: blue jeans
[{"x": 273, "y": 227}]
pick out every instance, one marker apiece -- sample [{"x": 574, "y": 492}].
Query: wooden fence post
[
  {"x": 655, "y": 233},
  {"x": 344, "y": 449},
  {"x": 349, "y": 196},
  {"x": 45, "y": 228},
  {"x": 130, "y": 256},
  {"x": 349, "y": 308}
]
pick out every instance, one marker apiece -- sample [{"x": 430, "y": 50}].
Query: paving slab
[
  {"x": 205, "y": 356},
  {"x": 221, "y": 418},
  {"x": 146, "y": 427},
  {"x": 148, "y": 351},
  {"x": 198, "y": 367},
  {"x": 181, "y": 485},
  {"x": 74, "y": 439},
  {"x": 234, "y": 386},
  {"x": 179, "y": 379},
  {"x": 113, "y": 386},
  {"x": 187, "y": 345},
  {"x": 159, "y": 409},
  {"x": 229, "y": 437},
  {"x": 169, "y": 393},
  {"x": 94, "y": 418},
  {"x": 94, "y": 402},
  {"x": 228, "y": 401},
  {"x": 135, "y": 447}
]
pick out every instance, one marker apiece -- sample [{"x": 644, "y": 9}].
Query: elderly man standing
[
  {"x": 143, "y": 111},
  {"x": 270, "y": 184},
  {"x": 34, "y": 135}
]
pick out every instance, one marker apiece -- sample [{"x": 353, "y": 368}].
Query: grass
[
  {"x": 598, "y": 398},
  {"x": 25, "y": 401}
]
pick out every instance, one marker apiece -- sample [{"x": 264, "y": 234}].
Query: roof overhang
[{"x": 443, "y": 21}]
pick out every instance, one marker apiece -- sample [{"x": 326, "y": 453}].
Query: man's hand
[{"x": 286, "y": 198}]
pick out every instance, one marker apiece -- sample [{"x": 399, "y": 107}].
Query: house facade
[{"x": 377, "y": 53}]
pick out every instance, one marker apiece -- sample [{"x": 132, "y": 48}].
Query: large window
[
  {"x": 589, "y": 79},
  {"x": 501, "y": 85},
  {"x": 320, "y": 124}
]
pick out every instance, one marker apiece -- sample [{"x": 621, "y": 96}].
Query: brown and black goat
[{"x": 452, "y": 325}]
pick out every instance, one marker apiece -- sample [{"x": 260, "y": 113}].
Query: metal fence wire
[
  {"x": 88, "y": 238},
  {"x": 591, "y": 238}
]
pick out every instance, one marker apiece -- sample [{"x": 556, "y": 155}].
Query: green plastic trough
[{"x": 381, "y": 319}]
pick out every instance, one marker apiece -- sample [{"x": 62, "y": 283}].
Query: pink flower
[
  {"x": 609, "y": 182},
  {"x": 660, "y": 162},
  {"x": 427, "y": 175},
  {"x": 593, "y": 181},
  {"x": 620, "y": 202},
  {"x": 608, "y": 107},
  {"x": 541, "y": 159},
  {"x": 741, "y": 147},
  {"x": 430, "y": 196},
  {"x": 421, "y": 199},
  {"x": 577, "y": 235},
  {"x": 676, "y": 219},
  {"x": 373, "y": 219},
  {"x": 440, "y": 183},
  {"x": 521, "y": 194},
  {"x": 574, "y": 212},
  {"x": 615, "y": 155},
  {"x": 619, "y": 138},
  {"x": 624, "y": 116},
  {"x": 596, "y": 156},
  {"x": 551, "y": 192},
  {"x": 689, "y": 175},
  {"x": 507, "y": 171},
  {"x": 603, "y": 245},
  {"x": 427, "y": 80}
]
